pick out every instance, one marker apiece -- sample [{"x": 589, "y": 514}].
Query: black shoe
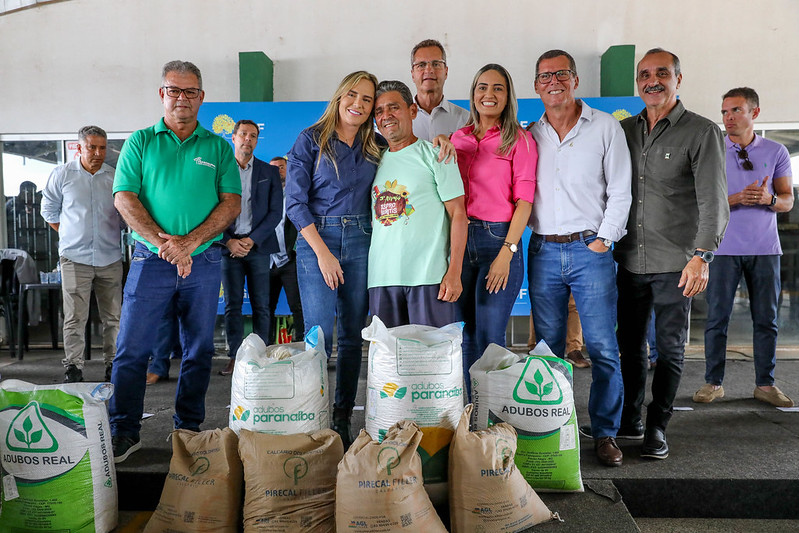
[
  {"x": 635, "y": 432},
  {"x": 342, "y": 425},
  {"x": 123, "y": 446},
  {"x": 108, "y": 369},
  {"x": 655, "y": 446},
  {"x": 73, "y": 374}
]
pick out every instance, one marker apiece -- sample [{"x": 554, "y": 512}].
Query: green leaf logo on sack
[
  {"x": 504, "y": 450},
  {"x": 541, "y": 402},
  {"x": 388, "y": 458},
  {"x": 200, "y": 466},
  {"x": 295, "y": 468},
  {"x": 29, "y": 433},
  {"x": 42, "y": 441},
  {"x": 537, "y": 384},
  {"x": 392, "y": 390}
]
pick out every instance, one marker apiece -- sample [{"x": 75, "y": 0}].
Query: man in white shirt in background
[
  {"x": 78, "y": 203},
  {"x": 437, "y": 115}
]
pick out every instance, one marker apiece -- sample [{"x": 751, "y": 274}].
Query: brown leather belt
[{"x": 562, "y": 239}]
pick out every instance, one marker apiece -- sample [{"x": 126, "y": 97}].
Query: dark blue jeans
[
  {"x": 557, "y": 270},
  {"x": 638, "y": 295},
  {"x": 168, "y": 346},
  {"x": 762, "y": 276},
  {"x": 348, "y": 238},
  {"x": 485, "y": 316},
  {"x": 255, "y": 267},
  {"x": 153, "y": 285}
]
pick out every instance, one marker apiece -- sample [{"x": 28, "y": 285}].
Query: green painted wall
[
  {"x": 617, "y": 71},
  {"x": 256, "y": 77}
]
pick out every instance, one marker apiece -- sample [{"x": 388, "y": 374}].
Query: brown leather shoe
[
  {"x": 576, "y": 358},
  {"x": 228, "y": 370},
  {"x": 152, "y": 378},
  {"x": 607, "y": 451}
]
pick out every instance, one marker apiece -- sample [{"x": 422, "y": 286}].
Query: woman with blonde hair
[
  {"x": 330, "y": 172},
  {"x": 497, "y": 160}
]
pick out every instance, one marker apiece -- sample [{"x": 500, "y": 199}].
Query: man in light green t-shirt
[
  {"x": 419, "y": 226},
  {"x": 177, "y": 185}
]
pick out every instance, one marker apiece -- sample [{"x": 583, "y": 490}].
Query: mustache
[{"x": 655, "y": 88}]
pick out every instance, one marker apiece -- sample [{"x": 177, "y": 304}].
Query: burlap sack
[
  {"x": 202, "y": 491},
  {"x": 379, "y": 486},
  {"x": 487, "y": 491},
  {"x": 290, "y": 481}
]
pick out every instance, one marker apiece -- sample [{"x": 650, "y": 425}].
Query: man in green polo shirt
[{"x": 178, "y": 187}]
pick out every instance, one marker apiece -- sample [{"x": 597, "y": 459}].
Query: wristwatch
[
  {"x": 773, "y": 200},
  {"x": 512, "y": 247},
  {"x": 607, "y": 242},
  {"x": 706, "y": 255}
]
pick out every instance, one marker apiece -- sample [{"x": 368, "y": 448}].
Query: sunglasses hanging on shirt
[{"x": 743, "y": 154}]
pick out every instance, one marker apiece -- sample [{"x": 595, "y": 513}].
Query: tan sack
[
  {"x": 290, "y": 481},
  {"x": 487, "y": 492},
  {"x": 379, "y": 486},
  {"x": 202, "y": 491}
]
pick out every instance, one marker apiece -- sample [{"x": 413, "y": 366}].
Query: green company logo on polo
[
  {"x": 295, "y": 468},
  {"x": 537, "y": 384},
  {"x": 389, "y": 458},
  {"x": 29, "y": 433}
]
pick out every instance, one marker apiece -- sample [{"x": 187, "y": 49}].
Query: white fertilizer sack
[
  {"x": 56, "y": 457},
  {"x": 533, "y": 394},
  {"x": 280, "y": 389},
  {"x": 416, "y": 373}
]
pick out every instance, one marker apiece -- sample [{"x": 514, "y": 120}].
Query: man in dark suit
[
  {"x": 250, "y": 240},
  {"x": 284, "y": 266}
]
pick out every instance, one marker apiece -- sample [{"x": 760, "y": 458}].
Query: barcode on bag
[{"x": 406, "y": 520}]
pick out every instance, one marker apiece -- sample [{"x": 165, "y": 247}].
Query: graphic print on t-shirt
[{"x": 392, "y": 203}]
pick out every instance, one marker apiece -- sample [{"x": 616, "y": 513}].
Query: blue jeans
[
  {"x": 168, "y": 346},
  {"x": 347, "y": 238},
  {"x": 485, "y": 316},
  {"x": 762, "y": 276},
  {"x": 255, "y": 267},
  {"x": 153, "y": 285},
  {"x": 639, "y": 294},
  {"x": 555, "y": 271}
]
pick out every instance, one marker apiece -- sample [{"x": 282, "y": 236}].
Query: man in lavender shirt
[{"x": 759, "y": 186}]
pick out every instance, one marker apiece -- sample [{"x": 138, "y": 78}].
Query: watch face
[{"x": 513, "y": 248}]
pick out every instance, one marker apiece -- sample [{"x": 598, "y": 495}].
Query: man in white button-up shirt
[
  {"x": 78, "y": 203},
  {"x": 582, "y": 200},
  {"x": 437, "y": 115}
]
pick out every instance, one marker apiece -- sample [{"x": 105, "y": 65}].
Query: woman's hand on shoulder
[{"x": 447, "y": 152}]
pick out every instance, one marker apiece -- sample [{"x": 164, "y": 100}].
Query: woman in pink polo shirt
[{"x": 497, "y": 161}]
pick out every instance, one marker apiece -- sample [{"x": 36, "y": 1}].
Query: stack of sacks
[
  {"x": 290, "y": 481},
  {"x": 280, "y": 389},
  {"x": 202, "y": 491},
  {"x": 487, "y": 491},
  {"x": 416, "y": 373},
  {"x": 379, "y": 485},
  {"x": 57, "y": 465},
  {"x": 534, "y": 394}
]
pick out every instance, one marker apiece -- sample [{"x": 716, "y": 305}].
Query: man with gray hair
[
  {"x": 78, "y": 204},
  {"x": 178, "y": 187},
  {"x": 436, "y": 115},
  {"x": 677, "y": 218},
  {"x": 419, "y": 231}
]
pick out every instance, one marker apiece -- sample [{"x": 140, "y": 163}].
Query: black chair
[{"x": 9, "y": 294}]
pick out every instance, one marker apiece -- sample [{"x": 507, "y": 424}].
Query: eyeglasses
[
  {"x": 422, "y": 65},
  {"x": 545, "y": 77},
  {"x": 174, "y": 92},
  {"x": 743, "y": 154}
]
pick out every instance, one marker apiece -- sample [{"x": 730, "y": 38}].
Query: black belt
[
  {"x": 240, "y": 235},
  {"x": 562, "y": 239}
]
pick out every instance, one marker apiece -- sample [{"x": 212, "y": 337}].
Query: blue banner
[{"x": 281, "y": 122}]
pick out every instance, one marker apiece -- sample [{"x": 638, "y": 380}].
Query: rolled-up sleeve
[
  {"x": 52, "y": 197},
  {"x": 618, "y": 178},
  {"x": 299, "y": 176},
  {"x": 525, "y": 159},
  {"x": 710, "y": 176}
]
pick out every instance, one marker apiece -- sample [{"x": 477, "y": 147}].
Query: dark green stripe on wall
[
  {"x": 617, "y": 71},
  {"x": 256, "y": 77}
]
